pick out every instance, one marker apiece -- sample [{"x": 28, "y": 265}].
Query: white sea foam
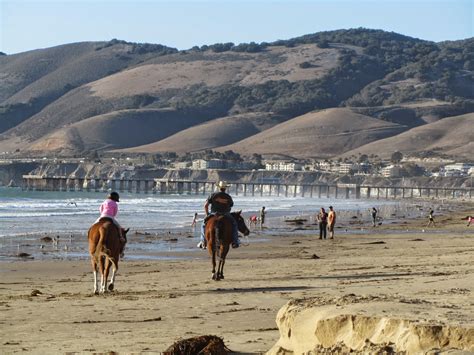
[{"x": 28, "y": 212}]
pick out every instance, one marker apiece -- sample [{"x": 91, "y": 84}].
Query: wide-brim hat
[{"x": 222, "y": 185}]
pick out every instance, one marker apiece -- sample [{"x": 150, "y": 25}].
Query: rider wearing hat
[{"x": 221, "y": 202}]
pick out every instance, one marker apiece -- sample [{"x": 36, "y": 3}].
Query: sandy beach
[{"x": 396, "y": 271}]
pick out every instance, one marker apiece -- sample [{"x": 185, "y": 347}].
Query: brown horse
[
  {"x": 105, "y": 248},
  {"x": 219, "y": 237}
]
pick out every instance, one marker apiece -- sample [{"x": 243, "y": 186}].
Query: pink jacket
[{"x": 108, "y": 208}]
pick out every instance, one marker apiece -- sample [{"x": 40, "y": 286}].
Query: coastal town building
[
  {"x": 182, "y": 165},
  {"x": 282, "y": 166},
  {"x": 202, "y": 164},
  {"x": 391, "y": 171},
  {"x": 456, "y": 170}
]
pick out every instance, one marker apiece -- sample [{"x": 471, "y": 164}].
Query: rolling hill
[
  {"x": 213, "y": 134},
  {"x": 450, "y": 136},
  {"x": 320, "y": 134},
  {"x": 80, "y": 97}
]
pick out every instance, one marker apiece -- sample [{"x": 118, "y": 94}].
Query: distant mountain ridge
[{"x": 75, "y": 98}]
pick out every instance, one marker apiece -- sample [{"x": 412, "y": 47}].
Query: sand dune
[
  {"x": 318, "y": 134},
  {"x": 452, "y": 135}
]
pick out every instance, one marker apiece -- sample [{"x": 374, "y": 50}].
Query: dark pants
[{"x": 322, "y": 229}]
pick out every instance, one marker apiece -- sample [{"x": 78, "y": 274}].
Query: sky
[{"x": 33, "y": 24}]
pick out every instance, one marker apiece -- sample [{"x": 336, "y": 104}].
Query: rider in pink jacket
[{"x": 109, "y": 209}]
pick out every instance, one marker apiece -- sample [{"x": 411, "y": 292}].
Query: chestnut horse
[
  {"x": 219, "y": 237},
  {"x": 105, "y": 248}
]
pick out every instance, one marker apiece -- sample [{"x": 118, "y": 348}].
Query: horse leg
[
  {"x": 224, "y": 251},
  {"x": 214, "y": 273},
  {"x": 221, "y": 272},
  {"x": 103, "y": 280},
  {"x": 106, "y": 273},
  {"x": 94, "y": 270},
  {"x": 112, "y": 279}
]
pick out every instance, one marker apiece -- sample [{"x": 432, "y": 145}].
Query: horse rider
[
  {"x": 221, "y": 203},
  {"x": 109, "y": 209}
]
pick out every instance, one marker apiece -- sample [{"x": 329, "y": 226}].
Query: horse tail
[
  {"x": 219, "y": 232},
  {"x": 100, "y": 249}
]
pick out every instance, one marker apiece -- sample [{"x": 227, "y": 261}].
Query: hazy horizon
[{"x": 34, "y": 24}]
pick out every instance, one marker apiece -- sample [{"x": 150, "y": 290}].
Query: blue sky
[{"x": 26, "y": 25}]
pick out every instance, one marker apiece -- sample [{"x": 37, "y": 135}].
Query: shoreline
[{"x": 163, "y": 243}]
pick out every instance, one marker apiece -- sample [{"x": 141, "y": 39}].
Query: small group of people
[
  {"x": 326, "y": 222},
  {"x": 254, "y": 219}
]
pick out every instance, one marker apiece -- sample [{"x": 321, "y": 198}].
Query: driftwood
[{"x": 201, "y": 345}]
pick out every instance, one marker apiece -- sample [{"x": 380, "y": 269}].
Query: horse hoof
[
  {"x": 96, "y": 292},
  {"x": 111, "y": 287}
]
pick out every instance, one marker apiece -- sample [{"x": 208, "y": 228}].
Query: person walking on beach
[
  {"x": 374, "y": 216},
  {"x": 193, "y": 224},
  {"x": 221, "y": 202},
  {"x": 323, "y": 223},
  {"x": 262, "y": 216},
  {"x": 331, "y": 222},
  {"x": 431, "y": 218},
  {"x": 470, "y": 219}
]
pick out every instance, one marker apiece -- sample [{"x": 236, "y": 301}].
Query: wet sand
[{"x": 426, "y": 275}]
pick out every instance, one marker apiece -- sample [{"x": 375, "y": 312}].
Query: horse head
[{"x": 241, "y": 222}]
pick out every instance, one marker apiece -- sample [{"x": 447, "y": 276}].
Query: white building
[
  {"x": 343, "y": 168},
  {"x": 282, "y": 166},
  {"x": 182, "y": 165},
  {"x": 202, "y": 164},
  {"x": 391, "y": 171},
  {"x": 457, "y": 169}
]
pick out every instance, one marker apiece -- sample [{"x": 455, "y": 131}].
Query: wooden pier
[{"x": 194, "y": 187}]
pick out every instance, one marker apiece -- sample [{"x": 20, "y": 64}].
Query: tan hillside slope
[
  {"x": 169, "y": 76},
  {"x": 452, "y": 136},
  {"x": 120, "y": 129},
  {"x": 319, "y": 134},
  {"x": 215, "y": 69},
  {"x": 209, "y": 135},
  {"x": 20, "y": 70}
]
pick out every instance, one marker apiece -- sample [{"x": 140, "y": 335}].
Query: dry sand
[{"x": 425, "y": 277}]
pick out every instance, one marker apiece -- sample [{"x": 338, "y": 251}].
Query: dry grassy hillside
[
  {"x": 209, "y": 135},
  {"x": 216, "y": 69},
  {"x": 162, "y": 76},
  {"x": 114, "y": 95},
  {"x": 452, "y": 136},
  {"x": 318, "y": 134},
  {"x": 18, "y": 71},
  {"x": 119, "y": 129},
  {"x": 33, "y": 80}
]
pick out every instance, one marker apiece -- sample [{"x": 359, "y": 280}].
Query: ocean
[
  {"x": 39, "y": 212},
  {"x": 27, "y": 216}
]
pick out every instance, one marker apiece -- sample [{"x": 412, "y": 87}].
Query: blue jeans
[{"x": 235, "y": 229}]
